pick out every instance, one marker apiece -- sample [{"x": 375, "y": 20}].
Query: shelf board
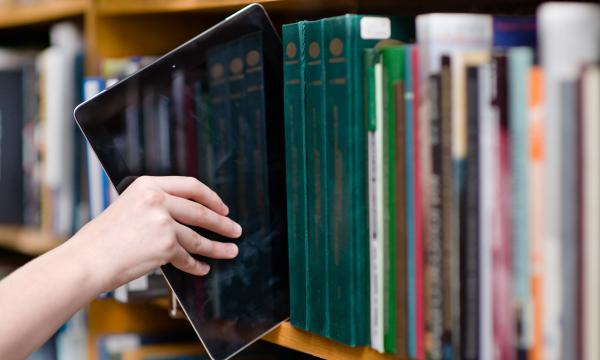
[
  {"x": 26, "y": 241},
  {"x": 288, "y": 336},
  {"x": 42, "y": 12},
  {"x": 134, "y": 7}
]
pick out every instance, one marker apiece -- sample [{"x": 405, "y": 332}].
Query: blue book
[
  {"x": 98, "y": 183},
  {"x": 512, "y": 31},
  {"x": 520, "y": 60}
]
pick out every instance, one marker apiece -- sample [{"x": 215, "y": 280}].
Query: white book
[
  {"x": 59, "y": 93},
  {"x": 591, "y": 210},
  {"x": 376, "y": 223},
  {"x": 488, "y": 175},
  {"x": 569, "y": 36}
]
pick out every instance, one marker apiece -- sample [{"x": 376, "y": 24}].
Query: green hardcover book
[
  {"x": 393, "y": 74},
  {"x": 345, "y": 38},
  {"x": 316, "y": 165},
  {"x": 293, "y": 42}
]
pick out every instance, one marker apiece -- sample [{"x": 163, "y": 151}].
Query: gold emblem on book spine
[{"x": 291, "y": 50}]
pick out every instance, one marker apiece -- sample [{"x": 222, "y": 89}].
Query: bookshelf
[
  {"x": 44, "y": 12},
  {"x": 288, "y": 336},
  {"x": 26, "y": 241},
  {"x": 157, "y": 26}
]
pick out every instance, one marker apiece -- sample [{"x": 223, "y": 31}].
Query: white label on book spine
[{"x": 375, "y": 28}]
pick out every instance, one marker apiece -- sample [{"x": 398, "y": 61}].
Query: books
[
  {"x": 569, "y": 38},
  {"x": 460, "y": 264}
]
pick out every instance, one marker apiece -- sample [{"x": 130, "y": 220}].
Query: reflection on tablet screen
[{"x": 211, "y": 109}]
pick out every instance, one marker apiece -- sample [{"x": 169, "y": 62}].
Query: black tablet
[{"x": 212, "y": 109}]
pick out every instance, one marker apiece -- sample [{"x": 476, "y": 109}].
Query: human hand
[{"x": 143, "y": 229}]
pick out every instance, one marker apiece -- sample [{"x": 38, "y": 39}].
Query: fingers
[
  {"x": 193, "y": 189},
  {"x": 194, "y": 214},
  {"x": 185, "y": 262},
  {"x": 194, "y": 243}
]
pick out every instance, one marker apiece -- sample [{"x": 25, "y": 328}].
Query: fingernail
[
  {"x": 232, "y": 250},
  {"x": 237, "y": 229},
  {"x": 204, "y": 268},
  {"x": 225, "y": 208}
]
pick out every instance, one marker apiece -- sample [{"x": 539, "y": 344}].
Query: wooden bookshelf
[
  {"x": 27, "y": 241},
  {"x": 42, "y": 12},
  {"x": 288, "y": 336},
  {"x": 137, "y": 7}
]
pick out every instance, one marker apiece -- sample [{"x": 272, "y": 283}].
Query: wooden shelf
[
  {"x": 135, "y": 7},
  {"x": 288, "y": 336},
  {"x": 43, "y": 12},
  {"x": 26, "y": 241}
]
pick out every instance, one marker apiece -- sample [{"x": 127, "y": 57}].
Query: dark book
[
  {"x": 295, "y": 162},
  {"x": 401, "y": 227},
  {"x": 11, "y": 146},
  {"x": 469, "y": 249},
  {"x": 448, "y": 203},
  {"x": 434, "y": 325},
  {"x": 316, "y": 165}
]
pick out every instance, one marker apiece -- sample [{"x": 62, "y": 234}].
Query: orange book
[{"x": 536, "y": 206}]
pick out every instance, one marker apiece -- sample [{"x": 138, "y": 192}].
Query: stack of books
[{"x": 443, "y": 196}]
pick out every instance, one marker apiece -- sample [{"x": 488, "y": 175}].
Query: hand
[{"x": 143, "y": 229}]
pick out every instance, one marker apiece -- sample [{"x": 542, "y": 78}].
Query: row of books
[
  {"x": 443, "y": 196},
  {"x": 40, "y": 181}
]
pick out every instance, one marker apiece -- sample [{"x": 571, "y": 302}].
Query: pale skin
[{"x": 139, "y": 232}]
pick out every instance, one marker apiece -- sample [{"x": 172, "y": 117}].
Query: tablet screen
[{"x": 212, "y": 109}]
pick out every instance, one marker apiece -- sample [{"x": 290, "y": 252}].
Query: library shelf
[
  {"x": 292, "y": 338},
  {"x": 136, "y": 7},
  {"x": 41, "y": 12},
  {"x": 32, "y": 242}
]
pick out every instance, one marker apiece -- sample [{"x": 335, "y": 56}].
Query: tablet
[{"x": 212, "y": 109}]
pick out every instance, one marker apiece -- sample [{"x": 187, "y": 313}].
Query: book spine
[
  {"x": 372, "y": 96},
  {"x": 420, "y": 299},
  {"x": 392, "y": 61},
  {"x": 570, "y": 243},
  {"x": 218, "y": 61},
  {"x": 95, "y": 174},
  {"x": 519, "y": 62},
  {"x": 590, "y": 90},
  {"x": 410, "y": 204},
  {"x": 448, "y": 205},
  {"x": 337, "y": 38},
  {"x": 501, "y": 246},
  {"x": 488, "y": 160},
  {"x": 536, "y": 210},
  {"x": 316, "y": 177},
  {"x": 379, "y": 145},
  {"x": 293, "y": 40},
  {"x": 470, "y": 243},
  {"x": 400, "y": 237},
  {"x": 434, "y": 248}
]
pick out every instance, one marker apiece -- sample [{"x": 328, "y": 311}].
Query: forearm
[{"x": 38, "y": 298}]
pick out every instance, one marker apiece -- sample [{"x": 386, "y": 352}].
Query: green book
[
  {"x": 393, "y": 75},
  {"x": 314, "y": 70},
  {"x": 345, "y": 38},
  {"x": 295, "y": 160}
]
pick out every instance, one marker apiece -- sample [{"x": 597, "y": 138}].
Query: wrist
[{"x": 86, "y": 266}]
